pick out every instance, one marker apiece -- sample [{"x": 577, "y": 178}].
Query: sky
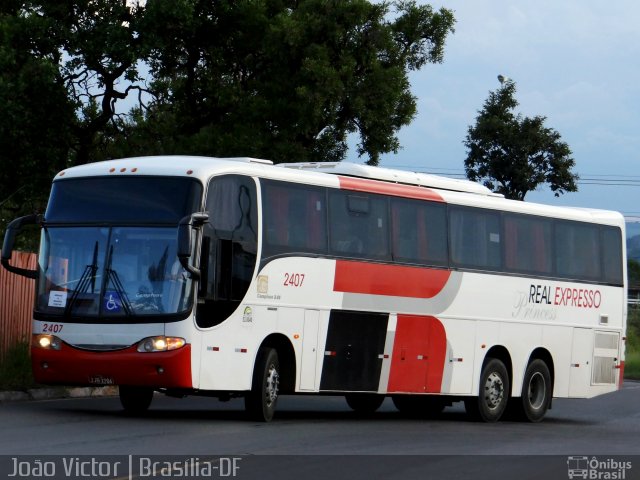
[{"x": 575, "y": 62}]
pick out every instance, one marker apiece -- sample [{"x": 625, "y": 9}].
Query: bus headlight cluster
[
  {"x": 160, "y": 344},
  {"x": 48, "y": 342}
]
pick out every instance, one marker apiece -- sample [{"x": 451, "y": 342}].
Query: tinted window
[
  {"x": 612, "y": 255},
  {"x": 577, "y": 251},
  {"x": 295, "y": 218},
  {"x": 475, "y": 238},
  {"x": 418, "y": 232},
  {"x": 229, "y": 247},
  {"x": 123, "y": 199},
  {"x": 527, "y": 243},
  {"x": 358, "y": 225}
]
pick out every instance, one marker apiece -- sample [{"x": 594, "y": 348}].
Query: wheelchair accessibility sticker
[{"x": 112, "y": 303}]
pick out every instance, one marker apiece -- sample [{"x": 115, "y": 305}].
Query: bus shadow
[{"x": 233, "y": 411}]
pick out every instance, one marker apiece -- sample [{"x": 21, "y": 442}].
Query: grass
[
  {"x": 632, "y": 357},
  {"x": 15, "y": 368},
  {"x": 632, "y": 365}
]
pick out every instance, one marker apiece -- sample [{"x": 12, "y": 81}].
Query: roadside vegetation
[
  {"x": 15, "y": 369},
  {"x": 632, "y": 358}
]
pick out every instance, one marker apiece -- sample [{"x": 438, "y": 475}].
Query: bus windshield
[
  {"x": 111, "y": 272},
  {"x": 109, "y": 249}
]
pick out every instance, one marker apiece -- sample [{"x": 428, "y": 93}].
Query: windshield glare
[{"x": 111, "y": 272}]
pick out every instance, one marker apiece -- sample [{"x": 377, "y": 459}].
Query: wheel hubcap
[
  {"x": 272, "y": 385},
  {"x": 493, "y": 390},
  {"x": 537, "y": 390}
]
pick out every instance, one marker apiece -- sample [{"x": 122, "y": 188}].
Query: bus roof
[
  {"x": 395, "y": 176},
  {"x": 455, "y": 191},
  {"x": 173, "y": 165}
]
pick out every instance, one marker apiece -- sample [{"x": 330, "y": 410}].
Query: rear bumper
[{"x": 74, "y": 366}]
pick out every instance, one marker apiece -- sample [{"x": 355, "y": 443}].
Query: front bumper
[{"x": 75, "y": 366}]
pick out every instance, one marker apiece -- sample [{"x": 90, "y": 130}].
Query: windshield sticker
[
  {"x": 112, "y": 302},
  {"x": 57, "y": 299}
]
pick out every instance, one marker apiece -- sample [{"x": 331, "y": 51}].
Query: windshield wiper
[{"x": 87, "y": 279}]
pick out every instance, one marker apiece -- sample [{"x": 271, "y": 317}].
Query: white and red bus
[{"x": 235, "y": 277}]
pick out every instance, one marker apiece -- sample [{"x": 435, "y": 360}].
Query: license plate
[{"x": 100, "y": 380}]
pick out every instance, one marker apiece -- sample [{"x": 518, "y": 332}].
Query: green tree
[
  {"x": 100, "y": 49},
  {"x": 283, "y": 79},
  {"x": 633, "y": 274},
  {"x": 63, "y": 66},
  {"x": 514, "y": 155},
  {"x": 36, "y": 119}
]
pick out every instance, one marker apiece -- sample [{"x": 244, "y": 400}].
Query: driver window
[{"x": 229, "y": 247}]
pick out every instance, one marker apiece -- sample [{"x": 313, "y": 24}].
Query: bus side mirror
[
  {"x": 12, "y": 231},
  {"x": 185, "y": 240}
]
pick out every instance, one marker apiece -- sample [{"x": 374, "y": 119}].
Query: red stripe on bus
[
  {"x": 393, "y": 280},
  {"x": 394, "y": 189},
  {"x": 72, "y": 366},
  {"x": 419, "y": 350},
  {"x": 621, "y": 379}
]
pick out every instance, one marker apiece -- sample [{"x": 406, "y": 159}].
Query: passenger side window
[
  {"x": 295, "y": 218},
  {"x": 612, "y": 255},
  {"x": 578, "y": 251},
  {"x": 418, "y": 232},
  {"x": 475, "y": 238},
  {"x": 527, "y": 242},
  {"x": 358, "y": 225}
]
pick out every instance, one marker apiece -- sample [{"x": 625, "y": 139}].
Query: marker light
[
  {"x": 48, "y": 342},
  {"x": 160, "y": 344}
]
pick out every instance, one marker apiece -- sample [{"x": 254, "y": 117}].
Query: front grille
[{"x": 101, "y": 348}]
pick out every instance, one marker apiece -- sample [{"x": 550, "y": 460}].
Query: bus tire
[
  {"x": 260, "y": 402},
  {"x": 536, "y": 392},
  {"x": 420, "y": 406},
  {"x": 135, "y": 400},
  {"x": 364, "y": 403},
  {"x": 493, "y": 393}
]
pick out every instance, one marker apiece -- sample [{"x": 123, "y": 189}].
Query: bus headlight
[
  {"x": 160, "y": 344},
  {"x": 48, "y": 342}
]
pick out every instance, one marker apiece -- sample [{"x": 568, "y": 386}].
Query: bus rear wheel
[
  {"x": 536, "y": 393},
  {"x": 135, "y": 400},
  {"x": 364, "y": 403},
  {"x": 493, "y": 393},
  {"x": 260, "y": 402}
]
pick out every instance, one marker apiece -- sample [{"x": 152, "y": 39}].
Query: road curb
[{"x": 57, "y": 392}]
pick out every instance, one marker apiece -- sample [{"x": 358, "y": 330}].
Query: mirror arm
[
  {"x": 185, "y": 239},
  {"x": 9, "y": 241}
]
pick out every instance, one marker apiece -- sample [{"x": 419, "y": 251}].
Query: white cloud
[{"x": 573, "y": 61}]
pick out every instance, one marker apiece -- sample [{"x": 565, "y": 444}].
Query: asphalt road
[{"x": 320, "y": 437}]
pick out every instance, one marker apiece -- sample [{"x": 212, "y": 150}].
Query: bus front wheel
[
  {"x": 493, "y": 393},
  {"x": 135, "y": 399},
  {"x": 260, "y": 402}
]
